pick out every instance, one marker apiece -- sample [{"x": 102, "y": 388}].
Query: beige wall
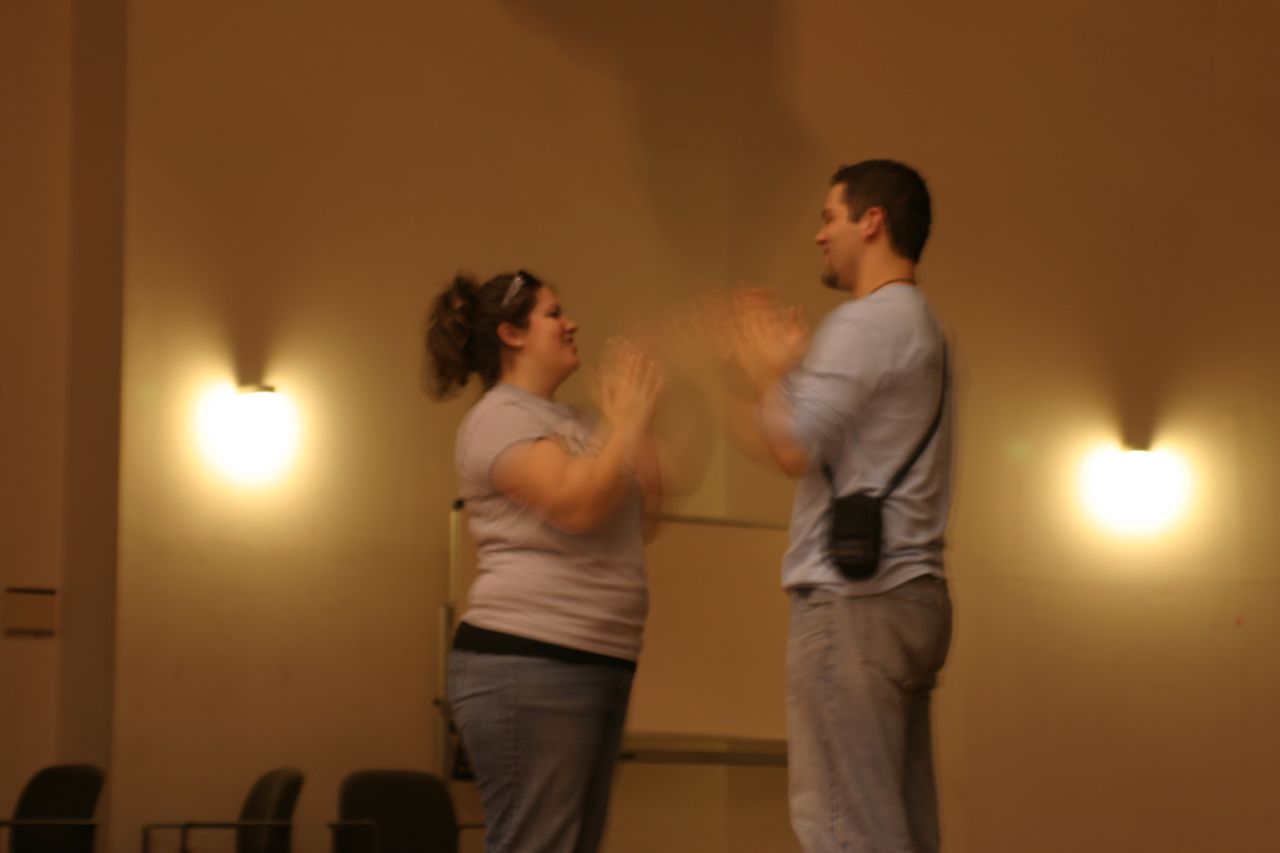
[
  {"x": 35, "y": 112},
  {"x": 295, "y": 188},
  {"x": 61, "y": 179},
  {"x": 94, "y": 329}
]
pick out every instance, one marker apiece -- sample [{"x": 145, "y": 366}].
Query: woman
[{"x": 541, "y": 667}]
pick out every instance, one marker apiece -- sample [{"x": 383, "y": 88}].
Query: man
[{"x": 863, "y": 655}]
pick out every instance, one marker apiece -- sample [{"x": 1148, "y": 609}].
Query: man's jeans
[
  {"x": 543, "y": 737},
  {"x": 859, "y": 675}
]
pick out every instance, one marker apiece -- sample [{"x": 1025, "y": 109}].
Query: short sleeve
[
  {"x": 493, "y": 432},
  {"x": 830, "y": 388}
]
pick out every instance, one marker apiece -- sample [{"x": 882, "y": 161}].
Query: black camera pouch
[{"x": 855, "y": 535}]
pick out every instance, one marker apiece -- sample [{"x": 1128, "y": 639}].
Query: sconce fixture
[
  {"x": 1135, "y": 492},
  {"x": 250, "y": 434}
]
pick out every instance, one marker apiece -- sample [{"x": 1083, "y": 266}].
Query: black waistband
[{"x": 469, "y": 638}]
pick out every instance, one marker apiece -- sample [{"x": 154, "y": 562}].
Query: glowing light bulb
[
  {"x": 1135, "y": 492},
  {"x": 250, "y": 435}
]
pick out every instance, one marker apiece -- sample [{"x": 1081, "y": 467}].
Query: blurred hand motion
[{"x": 766, "y": 338}]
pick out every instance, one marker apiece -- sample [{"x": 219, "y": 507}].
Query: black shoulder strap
[
  {"x": 928, "y": 436},
  {"x": 924, "y": 442}
]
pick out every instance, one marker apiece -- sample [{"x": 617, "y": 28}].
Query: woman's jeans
[{"x": 543, "y": 737}]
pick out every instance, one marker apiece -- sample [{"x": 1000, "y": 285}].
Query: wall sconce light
[
  {"x": 1135, "y": 492},
  {"x": 250, "y": 434}
]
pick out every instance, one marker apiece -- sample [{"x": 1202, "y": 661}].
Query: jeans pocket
[
  {"x": 927, "y": 592},
  {"x": 911, "y": 634}
]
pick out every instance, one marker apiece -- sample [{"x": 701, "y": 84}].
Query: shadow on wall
[
  {"x": 719, "y": 142},
  {"x": 1141, "y": 361}
]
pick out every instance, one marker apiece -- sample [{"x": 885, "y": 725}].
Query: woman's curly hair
[{"x": 462, "y": 328}]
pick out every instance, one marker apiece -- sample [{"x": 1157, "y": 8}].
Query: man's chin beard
[{"x": 829, "y": 280}]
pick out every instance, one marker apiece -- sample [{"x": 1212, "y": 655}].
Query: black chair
[
  {"x": 266, "y": 819},
  {"x": 55, "y": 810},
  {"x": 395, "y": 811}
]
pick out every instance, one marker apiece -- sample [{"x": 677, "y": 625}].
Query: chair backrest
[
  {"x": 412, "y": 809},
  {"x": 272, "y": 797},
  {"x": 60, "y": 792}
]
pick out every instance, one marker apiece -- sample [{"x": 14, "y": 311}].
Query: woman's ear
[{"x": 511, "y": 335}]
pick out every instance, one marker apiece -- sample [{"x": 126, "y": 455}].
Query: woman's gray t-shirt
[{"x": 586, "y": 591}]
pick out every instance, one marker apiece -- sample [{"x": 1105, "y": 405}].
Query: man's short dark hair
[{"x": 900, "y": 191}]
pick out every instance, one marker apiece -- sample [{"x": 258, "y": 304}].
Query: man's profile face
[{"x": 840, "y": 239}]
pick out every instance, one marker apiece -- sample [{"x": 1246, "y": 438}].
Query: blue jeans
[
  {"x": 543, "y": 737},
  {"x": 860, "y": 672}
]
